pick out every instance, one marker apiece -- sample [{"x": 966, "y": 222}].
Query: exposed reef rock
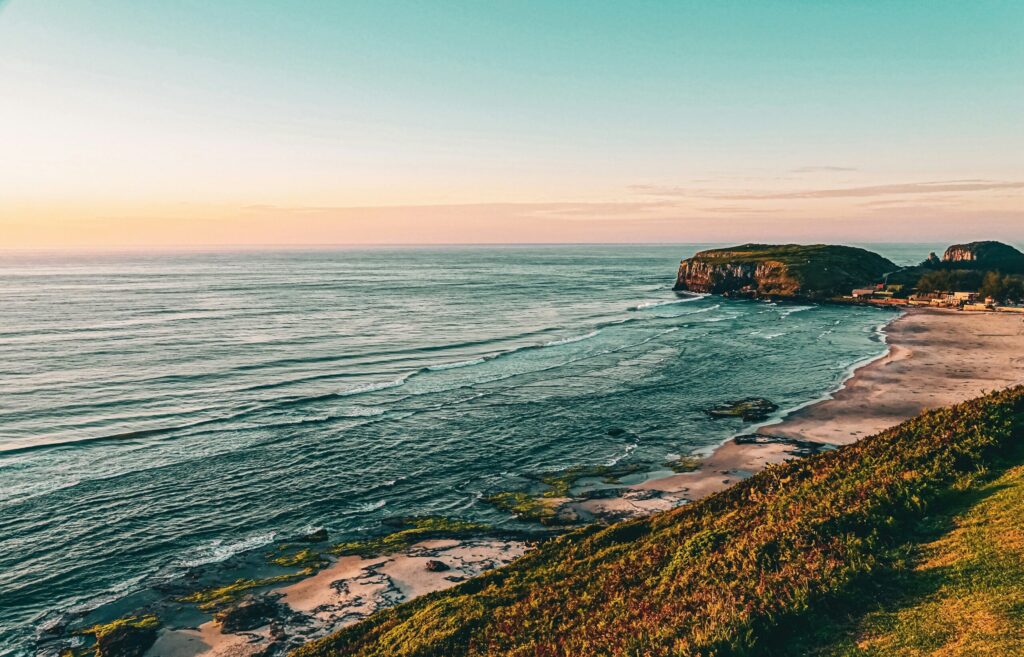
[
  {"x": 126, "y": 637},
  {"x": 247, "y": 614},
  {"x": 751, "y": 409},
  {"x": 800, "y": 447},
  {"x": 984, "y": 255},
  {"x": 795, "y": 271},
  {"x": 318, "y": 536}
]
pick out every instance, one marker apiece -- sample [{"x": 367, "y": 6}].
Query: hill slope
[
  {"x": 747, "y": 571},
  {"x": 788, "y": 270}
]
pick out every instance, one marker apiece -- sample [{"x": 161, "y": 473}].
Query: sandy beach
[
  {"x": 936, "y": 358},
  {"x": 346, "y": 591}
]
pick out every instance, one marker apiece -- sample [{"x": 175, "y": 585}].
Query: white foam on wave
[
  {"x": 570, "y": 340},
  {"x": 704, "y": 310},
  {"x": 373, "y": 387},
  {"x": 371, "y": 506},
  {"x": 473, "y": 499},
  {"x": 217, "y": 550},
  {"x": 786, "y": 312},
  {"x": 363, "y": 411},
  {"x": 615, "y": 459},
  {"x": 654, "y": 304},
  {"x": 456, "y": 365}
]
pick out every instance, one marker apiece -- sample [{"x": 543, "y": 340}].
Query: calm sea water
[{"x": 161, "y": 411}]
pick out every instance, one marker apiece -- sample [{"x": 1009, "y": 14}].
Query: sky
[{"x": 251, "y": 122}]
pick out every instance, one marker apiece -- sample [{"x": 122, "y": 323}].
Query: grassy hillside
[{"x": 872, "y": 546}]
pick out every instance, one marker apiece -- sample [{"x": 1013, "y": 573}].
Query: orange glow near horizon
[{"x": 656, "y": 217}]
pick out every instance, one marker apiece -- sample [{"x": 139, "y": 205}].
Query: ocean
[{"x": 159, "y": 411}]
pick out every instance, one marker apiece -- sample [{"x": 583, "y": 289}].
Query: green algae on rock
[
  {"x": 751, "y": 409},
  {"x": 412, "y": 531},
  {"x": 125, "y": 637}
]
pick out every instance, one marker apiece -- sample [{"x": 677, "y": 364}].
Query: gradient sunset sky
[{"x": 128, "y": 123}]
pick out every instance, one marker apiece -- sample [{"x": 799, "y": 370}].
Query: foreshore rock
[
  {"x": 751, "y": 409},
  {"x": 247, "y": 614},
  {"x": 800, "y": 447},
  {"x": 130, "y": 637}
]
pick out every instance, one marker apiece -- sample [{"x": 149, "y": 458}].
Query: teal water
[{"x": 159, "y": 411}]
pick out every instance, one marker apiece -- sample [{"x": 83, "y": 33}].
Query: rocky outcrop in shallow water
[{"x": 751, "y": 409}]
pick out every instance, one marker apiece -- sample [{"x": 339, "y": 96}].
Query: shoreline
[
  {"x": 729, "y": 461},
  {"x": 933, "y": 358}
]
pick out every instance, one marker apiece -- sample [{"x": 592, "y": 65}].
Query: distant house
[{"x": 864, "y": 293}]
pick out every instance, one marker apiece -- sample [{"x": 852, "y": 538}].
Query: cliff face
[
  {"x": 791, "y": 270},
  {"x": 698, "y": 275},
  {"x": 984, "y": 255}
]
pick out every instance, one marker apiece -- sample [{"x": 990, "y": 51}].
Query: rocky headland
[
  {"x": 988, "y": 255},
  {"x": 788, "y": 271}
]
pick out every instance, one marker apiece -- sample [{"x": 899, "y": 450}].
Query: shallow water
[{"x": 159, "y": 411}]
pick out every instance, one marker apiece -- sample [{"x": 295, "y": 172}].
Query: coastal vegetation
[{"x": 904, "y": 543}]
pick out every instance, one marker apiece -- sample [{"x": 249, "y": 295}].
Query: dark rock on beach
[
  {"x": 800, "y": 447},
  {"x": 248, "y": 614},
  {"x": 129, "y": 639},
  {"x": 436, "y": 566},
  {"x": 751, "y": 409}
]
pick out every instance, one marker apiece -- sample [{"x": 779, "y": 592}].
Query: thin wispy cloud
[
  {"x": 935, "y": 187},
  {"x": 822, "y": 169},
  {"x": 737, "y": 209}
]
